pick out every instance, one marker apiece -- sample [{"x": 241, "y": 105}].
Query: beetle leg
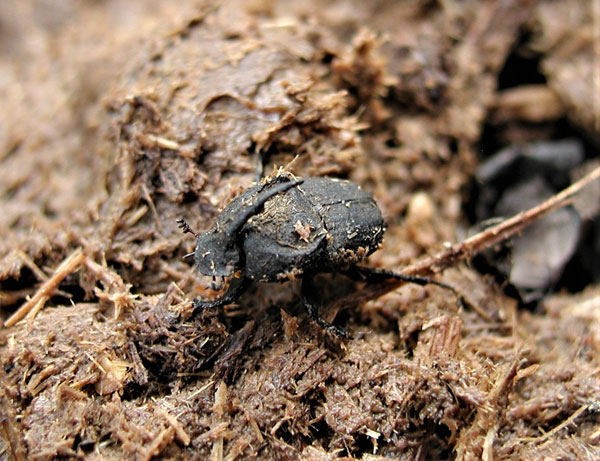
[
  {"x": 235, "y": 290},
  {"x": 308, "y": 287},
  {"x": 374, "y": 275}
]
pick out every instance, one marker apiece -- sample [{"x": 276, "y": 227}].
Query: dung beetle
[{"x": 285, "y": 228}]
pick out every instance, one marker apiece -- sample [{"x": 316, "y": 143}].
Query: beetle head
[
  {"x": 217, "y": 251},
  {"x": 216, "y": 254}
]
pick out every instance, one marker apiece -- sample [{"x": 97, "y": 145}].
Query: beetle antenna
[{"x": 185, "y": 227}]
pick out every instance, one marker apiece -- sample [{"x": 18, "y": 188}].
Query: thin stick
[
  {"x": 554, "y": 430},
  {"x": 499, "y": 232},
  {"x": 63, "y": 270},
  {"x": 39, "y": 273},
  {"x": 474, "y": 244},
  {"x": 37, "y": 308}
]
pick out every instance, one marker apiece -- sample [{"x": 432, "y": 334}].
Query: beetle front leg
[
  {"x": 374, "y": 275},
  {"x": 308, "y": 287},
  {"x": 236, "y": 288}
]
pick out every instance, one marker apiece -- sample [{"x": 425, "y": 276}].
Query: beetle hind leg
[
  {"x": 308, "y": 287},
  {"x": 373, "y": 275}
]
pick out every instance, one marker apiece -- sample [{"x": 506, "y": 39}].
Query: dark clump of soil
[{"x": 121, "y": 117}]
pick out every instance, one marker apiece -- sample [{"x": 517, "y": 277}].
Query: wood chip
[{"x": 67, "y": 267}]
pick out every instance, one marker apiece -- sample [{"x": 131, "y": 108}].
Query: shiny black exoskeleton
[{"x": 287, "y": 227}]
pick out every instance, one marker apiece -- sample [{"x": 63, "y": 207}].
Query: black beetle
[{"x": 286, "y": 227}]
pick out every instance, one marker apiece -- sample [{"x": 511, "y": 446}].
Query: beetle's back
[
  {"x": 322, "y": 225},
  {"x": 284, "y": 239},
  {"x": 352, "y": 219}
]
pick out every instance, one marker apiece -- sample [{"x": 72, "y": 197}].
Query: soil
[{"x": 122, "y": 116}]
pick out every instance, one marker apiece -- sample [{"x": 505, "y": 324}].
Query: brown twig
[
  {"x": 502, "y": 231},
  {"x": 38, "y": 299},
  {"x": 474, "y": 244},
  {"x": 570, "y": 420}
]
